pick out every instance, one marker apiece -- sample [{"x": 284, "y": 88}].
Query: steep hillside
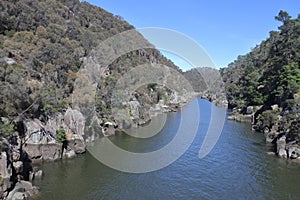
[
  {"x": 43, "y": 44},
  {"x": 266, "y": 82}
]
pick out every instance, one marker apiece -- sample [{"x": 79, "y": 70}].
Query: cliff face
[{"x": 264, "y": 85}]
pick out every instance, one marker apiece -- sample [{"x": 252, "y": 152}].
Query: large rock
[
  {"x": 36, "y": 132},
  {"x": 77, "y": 144},
  {"x": 18, "y": 166},
  {"x": 51, "y": 151},
  {"x": 6, "y": 185},
  {"x": 40, "y": 137},
  {"x": 293, "y": 150},
  {"x": 270, "y": 137},
  {"x": 109, "y": 128},
  {"x": 34, "y": 151},
  {"x": 18, "y": 193},
  {"x": 43, "y": 151},
  {"x": 75, "y": 121},
  {"x": 250, "y": 110},
  {"x": 5, "y": 166},
  {"x": 55, "y": 123},
  {"x": 23, "y": 190},
  {"x": 134, "y": 108},
  {"x": 281, "y": 147},
  {"x": 69, "y": 154}
]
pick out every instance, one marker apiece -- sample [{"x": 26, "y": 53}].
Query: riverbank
[
  {"x": 284, "y": 142},
  {"x": 238, "y": 153},
  {"x": 62, "y": 136}
]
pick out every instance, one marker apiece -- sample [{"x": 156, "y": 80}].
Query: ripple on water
[{"x": 237, "y": 168}]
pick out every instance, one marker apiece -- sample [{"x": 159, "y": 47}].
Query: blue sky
[{"x": 225, "y": 29}]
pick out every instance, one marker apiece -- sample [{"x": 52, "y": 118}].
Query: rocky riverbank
[
  {"x": 271, "y": 121},
  {"x": 42, "y": 143},
  {"x": 16, "y": 172}
]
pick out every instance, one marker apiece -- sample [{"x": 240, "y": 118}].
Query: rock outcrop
[
  {"x": 41, "y": 140},
  {"x": 23, "y": 190},
  {"x": 15, "y": 172},
  {"x": 281, "y": 147},
  {"x": 293, "y": 150}
]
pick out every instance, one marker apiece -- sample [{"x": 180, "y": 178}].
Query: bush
[
  {"x": 269, "y": 117},
  {"x": 61, "y": 135},
  {"x": 6, "y": 129}
]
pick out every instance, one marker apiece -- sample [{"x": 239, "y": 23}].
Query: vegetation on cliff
[
  {"x": 268, "y": 78},
  {"x": 42, "y": 47}
]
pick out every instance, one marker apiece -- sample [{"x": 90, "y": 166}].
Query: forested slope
[
  {"x": 268, "y": 79},
  {"x": 42, "y": 47}
]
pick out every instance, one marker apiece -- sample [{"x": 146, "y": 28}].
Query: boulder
[
  {"x": 51, "y": 152},
  {"x": 281, "y": 147},
  {"x": 34, "y": 151},
  {"x": 75, "y": 121},
  {"x": 54, "y": 123},
  {"x": 134, "y": 108},
  {"x": 250, "y": 110},
  {"x": 43, "y": 151},
  {"x": 6, "y": 185},
  {"x": 34, "y": 131},
  {"x": 109, "y": 128},
  {"x": 38, "y": 174},
  {"x": 19, "y": 196},
  {"x": 69, "y": 154},
  {"x": 18, "y": 193},
  {"x": 23, "y": 190},
  {"x": 231, "y": 117},
  {"x": 270, "y": 137},
  {"x": 293, "y": 150},
  {"x": 18, "y": 166},
  {"x": 78, "y": 144}
]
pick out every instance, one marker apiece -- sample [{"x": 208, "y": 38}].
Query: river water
[{"x": 238, "y": 167}]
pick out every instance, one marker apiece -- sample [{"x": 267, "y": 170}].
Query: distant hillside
[{"x": 207, "y": 82}]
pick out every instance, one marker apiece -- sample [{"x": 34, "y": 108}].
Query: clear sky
[{"x": 224, "y": 28}]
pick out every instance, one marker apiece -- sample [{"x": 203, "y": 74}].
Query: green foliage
[
  {"x": 49, "y": 40},
  {"x": 60, "y": 135},
  {"x": 269, "y": 74},
  {"x": 165, "y": 97},
  {"x": 10, "y": 33},
  {"x": 269, "y": 117},
  {"x": 6, "y": 128}
]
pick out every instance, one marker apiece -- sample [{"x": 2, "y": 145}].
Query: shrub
[
  {"x": 269, "y": 117},
  {"x": 60, "y": 135},
  {"x": 6, "y": 129}
]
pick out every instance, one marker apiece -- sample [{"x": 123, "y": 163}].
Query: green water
[{"x": 237, "y": 168}]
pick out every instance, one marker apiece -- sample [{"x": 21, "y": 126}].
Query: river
[{"x": 238, "y": 167}]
